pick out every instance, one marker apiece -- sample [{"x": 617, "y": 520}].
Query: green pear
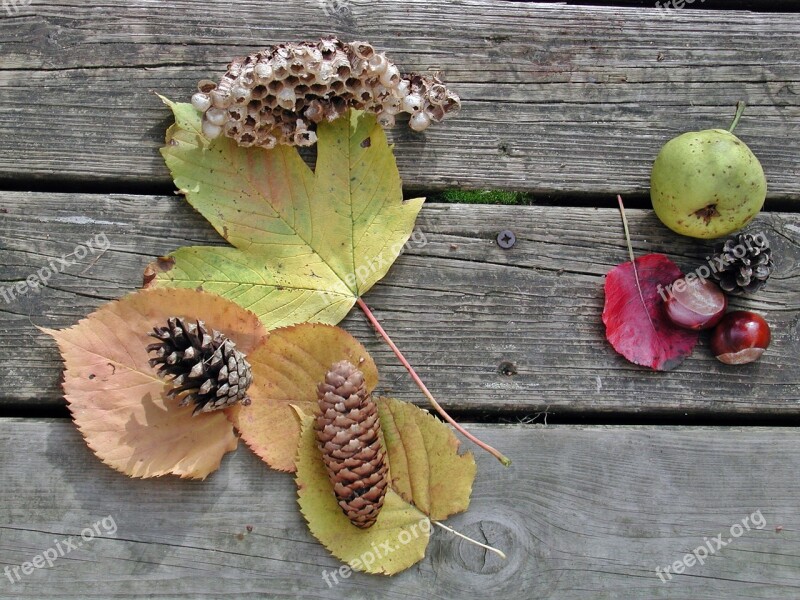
[{"x": 707, "y": 184}]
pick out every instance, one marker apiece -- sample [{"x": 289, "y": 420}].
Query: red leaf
[{"x": 636, "y": 323}]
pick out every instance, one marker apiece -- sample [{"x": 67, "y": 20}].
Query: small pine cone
[
  {"x": 743, "y": 263},
  {"x": 348, "y": 434},
  {"x": 205, "y": 367}
]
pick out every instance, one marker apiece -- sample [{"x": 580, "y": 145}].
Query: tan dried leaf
[{"x": 118, "y": 401}]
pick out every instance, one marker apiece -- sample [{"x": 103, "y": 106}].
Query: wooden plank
[
  {"x": 462, "y": 309},
  {"x": 753, "y": 5},
  {"x": 556, "y": 98},
  {"x": 582, "y": 514}
]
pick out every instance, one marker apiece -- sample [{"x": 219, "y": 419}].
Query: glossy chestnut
[{"x": 740, "y": 338}]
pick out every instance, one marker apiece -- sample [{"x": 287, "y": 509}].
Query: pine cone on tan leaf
[{"x": 204, "y": 365}]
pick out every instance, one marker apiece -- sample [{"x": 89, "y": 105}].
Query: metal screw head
[
  {"x": 506, "y": 239},
  {"x": 507, "y": 368}
]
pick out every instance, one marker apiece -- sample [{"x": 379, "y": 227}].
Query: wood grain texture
[
  {"x": 488, "y": 329},
  {"x": 574, "y": 99},
  {"x": 755, "y": 5},
  {"x": 582, "y": 514}
]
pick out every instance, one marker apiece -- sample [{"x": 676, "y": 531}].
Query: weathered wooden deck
[{"x": 632, "y": 469}]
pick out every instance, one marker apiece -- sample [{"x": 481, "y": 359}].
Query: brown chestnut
[
  {"x": 740, "y": 338},
  {"x": 695, "y": 303}
]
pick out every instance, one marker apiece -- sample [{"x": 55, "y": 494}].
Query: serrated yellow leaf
[
  {"x": 306, "y": 244},
  {"x": 396, "y": 541},
  {"x": 424, "y": 463},
  {"x": 429, "y": 481}
]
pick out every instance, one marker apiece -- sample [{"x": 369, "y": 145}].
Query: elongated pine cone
[
  {"x": 348, "y": 434},
  {"x": 205, "y": 366},
  {"x": 278, "y": 95}
]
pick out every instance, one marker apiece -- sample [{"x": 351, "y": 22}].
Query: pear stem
[
  {"x": 500, "y": 553},
  {"x": 496, "y": 453},
  {"x": 740, "y": 106}
]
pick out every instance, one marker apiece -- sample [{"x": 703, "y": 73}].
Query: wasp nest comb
[{"x": 278, "y": 95}]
